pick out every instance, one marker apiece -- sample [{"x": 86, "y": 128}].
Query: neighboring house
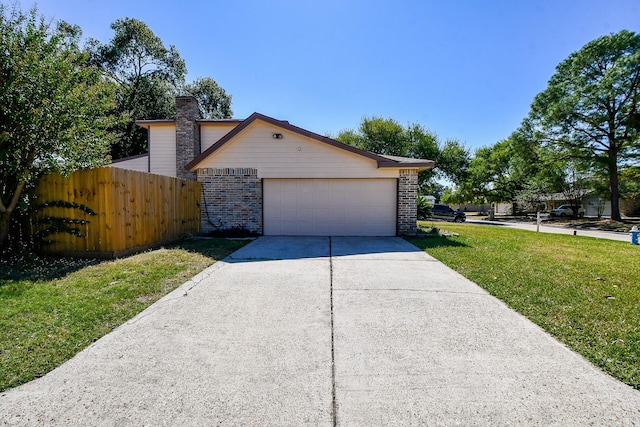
[
  {"x": 270, "y": 177},
  {"x": 593, "y": 205},
  {"x": 503, "y": 208},
  {"x": 596, "y": 206},
  {"x": 430, "y": 199}
]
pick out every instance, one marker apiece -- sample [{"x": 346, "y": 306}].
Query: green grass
[
  {"x": 584, "y": 291},
  {"x": 51, "y": 308}
]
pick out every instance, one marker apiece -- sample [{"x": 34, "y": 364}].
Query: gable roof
[{"x": 383, "y": 161}]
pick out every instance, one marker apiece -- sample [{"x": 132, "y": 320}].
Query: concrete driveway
[{"x": 319, "y": 331}]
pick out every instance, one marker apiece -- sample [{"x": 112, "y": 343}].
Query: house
[
  {"x": 430, "y": 199},
  {"x": 594, "y": 205},
  {"x": 270, "y": 177}
]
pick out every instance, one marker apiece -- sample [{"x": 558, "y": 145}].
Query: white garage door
[{"x": 330, "y": 207}]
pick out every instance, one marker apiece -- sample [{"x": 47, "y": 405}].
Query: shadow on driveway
[{"x": 271, "y": 248}]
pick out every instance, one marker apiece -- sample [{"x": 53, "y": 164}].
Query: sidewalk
[{"x": 556, "y": 229}]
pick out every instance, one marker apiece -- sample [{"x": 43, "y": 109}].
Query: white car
[{"x": 567, "y": 210}]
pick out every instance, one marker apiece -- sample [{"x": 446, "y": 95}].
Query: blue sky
[{"x": 463, "y": 69}]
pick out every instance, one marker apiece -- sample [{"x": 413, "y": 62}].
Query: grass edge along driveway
[
  {"x": 582, "y": 290},
  {"x": 51, "y": 308}
]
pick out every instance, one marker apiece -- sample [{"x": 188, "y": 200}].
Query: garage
[{"x": 330, "y": 207}]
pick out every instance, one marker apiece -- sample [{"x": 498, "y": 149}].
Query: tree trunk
[
  {"x": 5, "y": 221},
  {"x": 5, "y": 214},
  {"x": 613, "y": 183}
]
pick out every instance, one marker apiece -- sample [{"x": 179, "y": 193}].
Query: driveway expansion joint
[{"x": 334, "y": 417}]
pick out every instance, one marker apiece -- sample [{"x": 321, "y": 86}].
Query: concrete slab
[{"x": 415, "y": 343}]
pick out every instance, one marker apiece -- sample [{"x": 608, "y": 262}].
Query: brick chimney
[{"x": 187, "y": 135}]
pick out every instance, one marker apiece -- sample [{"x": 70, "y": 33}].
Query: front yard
[
  {"x": 584, "y": 291},
  {"x": 51, "y": 308}
]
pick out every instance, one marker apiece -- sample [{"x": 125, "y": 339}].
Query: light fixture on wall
[{"x": 277, "y": 136}]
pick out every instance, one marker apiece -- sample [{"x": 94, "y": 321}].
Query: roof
[
  {"x": 408, "y": 161},
  {"x": 124, "y": 159},
  {"x": 231, "y": 121},
  {"x": 146, "y": 123},
  {"x": 383, "y": 161}
]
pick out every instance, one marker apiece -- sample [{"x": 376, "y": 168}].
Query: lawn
[
  {"x": 51, "y": 308},
  {"x": 584, "y": 291}
]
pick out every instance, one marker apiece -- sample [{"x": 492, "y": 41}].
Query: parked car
[
  {"x": 445, "y": 213},
  {"x": 567, "y": 210}
]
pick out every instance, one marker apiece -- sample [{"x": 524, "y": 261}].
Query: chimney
[{"x": 187, "y": 135}]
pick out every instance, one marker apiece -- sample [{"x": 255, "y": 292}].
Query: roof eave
[
  {"x": 147, "y": 123},
  {"x": 217, "y": 121},
  {"x": 421, "y": 166}
]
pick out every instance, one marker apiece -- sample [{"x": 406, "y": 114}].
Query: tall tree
[
  {"x": 590, "y": 109},
  {"x": 52, "y": 106},
  {"x": 212, "y": 99},
  {"x": 148, "y": 76}
]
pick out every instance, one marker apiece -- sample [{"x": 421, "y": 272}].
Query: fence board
[{"x": 134, "y": 210}]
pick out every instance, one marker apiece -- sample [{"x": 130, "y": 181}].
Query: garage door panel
[
  {"x": 321, "y": 230},
  {"x": 321, "y": 215},
  {"x": 368, "y": 199},
  {"x": 370, "y": 215},
  {"x": 287, "y": 228},
  {"x": 320, "y": 185},
  {"x": 305, "y": 198},
  {"x": 330, "y": 207}
]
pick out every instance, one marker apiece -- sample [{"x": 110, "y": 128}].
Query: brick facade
[
  {"x": 231, "y": 198},
  {"x": 407, "y": 201},
  {"x": 187, "y": 135}
]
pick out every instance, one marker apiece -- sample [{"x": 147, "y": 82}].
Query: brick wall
[
  {"x": 407, "y": 201},
  {"x": 231, "y": 198},
  {"x": 187, "y": 135}
]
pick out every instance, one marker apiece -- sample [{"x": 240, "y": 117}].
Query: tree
[
  {"x": 453, "y": 160},
  {"x": 421, "y": 143},
  {"x": 213, "y": 101},
  {"x": 575, "y": 187},
  {"x": 388, "y": 137},
  {"x": 541, "y": 171},
  {"x": 148, "y": 76},
  {"x": 630, "y": 189},
  {"x": 589, "y": 111},
  {"x": 52, "y": 106},
  {"x": 630, "y": 185},
  {"x": 490, "y": 176},
  {"x": 378, "y": 135}
]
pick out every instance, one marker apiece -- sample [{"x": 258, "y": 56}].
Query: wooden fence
[{"x": 133, "y": 211}]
